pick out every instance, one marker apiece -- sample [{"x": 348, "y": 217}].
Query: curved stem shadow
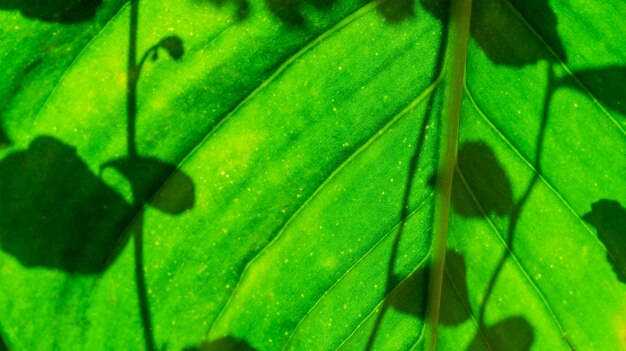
[
  {"x": 392, "y": 280},
  {"x": 133, "y": 79},
  {"x": 519, "y": 206}
]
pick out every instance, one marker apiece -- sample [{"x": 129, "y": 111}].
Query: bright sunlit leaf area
[{"x": 273, "y": 175}]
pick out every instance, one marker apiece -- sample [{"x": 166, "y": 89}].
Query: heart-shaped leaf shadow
[{"x": 56, "y": 213}]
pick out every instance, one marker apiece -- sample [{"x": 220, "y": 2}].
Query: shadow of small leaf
[
  {"x": 291, "y": 11},
  {"x": 173, "y": 45},
  {"x": 606, "y": 84},
  {"x": 410, "y": 296},
  {"x": 457, "y": 272},
  {"x": 61, "y": 11},
  {"x": 227, "y": 343},
  {"x": 55, "y": 212},
  {"x": 242, "y": 7},
  {"x": 492, "y": 32},
  {"x": 174, "y": 198},
  {"x": 4, "y": 139},
  {"x": 511, "y": 334},
  {"x": 609, "y": 219},
  {"x": 487, "y": 180},
  {"x": 397, "y": 10},
  {"x": 3, "y": 345}
]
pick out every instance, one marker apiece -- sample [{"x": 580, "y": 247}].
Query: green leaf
[{"x": 280, "y": 180}]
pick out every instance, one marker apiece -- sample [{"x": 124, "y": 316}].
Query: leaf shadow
[
  {"x": 57, "y": 214},
  {"x": 409, "y": 295},
  {"x": 511, "y": 334},
  {"x": 59, "y": 11},
  {"x": 606, "y": 84},
  {"x": 3, "y": 345},
  {"x": 227, "y": 343},
  {"x": 242, "y": 7},
  {"x": 609, "y": 219},
  {"x": 486, "y": 177},
  {"x": 291, "y": 12},
  {"x": 488, "y": 30},
  {"x": 4, "y": 138},
  {"x": 404, "y": 298}
]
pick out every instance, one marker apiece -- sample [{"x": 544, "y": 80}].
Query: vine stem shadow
[
  {"x": 132, "y": 81},
  {"x": 518, "y": 207},
  {"x": 411, "y": 173}
]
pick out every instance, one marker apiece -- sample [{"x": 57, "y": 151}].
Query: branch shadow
[
  {"x": 492, "y": 190},
  {"x": 602, "y": 81}
]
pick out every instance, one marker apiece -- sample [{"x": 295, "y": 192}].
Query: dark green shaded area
[
  {"x": 63, "y": 11},
  {"x": 609, "y": 219},
  {"x": 227, "y": 343},
  {"x": 606, "y": 83},
  {"x": 56, "y": 213},
  {"x": 484, "y": 173},
  {"x": 511, "y": 334}
]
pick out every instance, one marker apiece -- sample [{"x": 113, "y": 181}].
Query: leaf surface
[{"x": 266, "y": 171}]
